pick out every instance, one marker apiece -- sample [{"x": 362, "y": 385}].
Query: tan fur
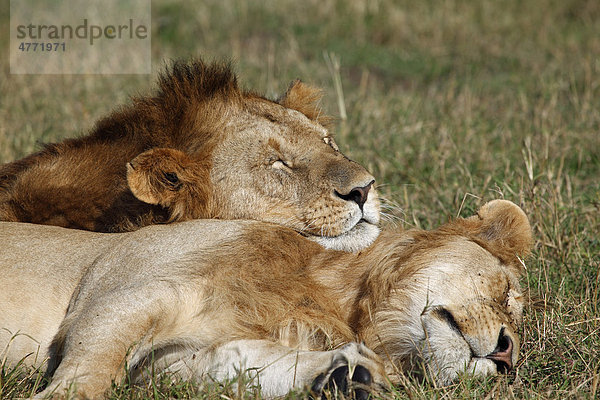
[
  {"x": 229, "y": 153},
  {"x": 305, "y": 99},
  {"x": 212, "y": 296}
]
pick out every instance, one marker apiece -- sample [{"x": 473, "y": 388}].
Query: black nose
[
  {"x": 358, "y": 194},
  {"x": 502, "y": 354}
]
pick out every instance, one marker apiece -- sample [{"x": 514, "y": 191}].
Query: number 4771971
[{"x": 42, "y": 46}]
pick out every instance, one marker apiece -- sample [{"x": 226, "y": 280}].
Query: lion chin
[
  {"x": 360, "y": 236},
  {"x": 361, "y": 228}
]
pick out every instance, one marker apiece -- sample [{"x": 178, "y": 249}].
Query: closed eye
[
  {"x": 447, "y": 316},
  {"x": 328, "y": 140}
]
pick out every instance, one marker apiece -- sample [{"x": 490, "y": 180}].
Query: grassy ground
[{"x": 449, "y": 104}]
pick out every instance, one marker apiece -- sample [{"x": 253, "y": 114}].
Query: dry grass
[{"x": 449, "y": 104}]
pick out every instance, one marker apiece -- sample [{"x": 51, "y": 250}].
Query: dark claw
[
  {"x": 338, "y": 381},
  {"x": 364, "y": 377}
]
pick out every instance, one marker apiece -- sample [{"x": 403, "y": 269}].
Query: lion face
[
  {"x": 462, "y": 317},
  {"x": 470, "y": 326},
  {"x": 289, "y": 171},
  {"x": 457, "y": 307},
  {"x": 273, "y": 163}
]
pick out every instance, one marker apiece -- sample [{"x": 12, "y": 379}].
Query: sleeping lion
[
  {"x": 202, "y": 299},
  {"x": 231, "y": 154}
]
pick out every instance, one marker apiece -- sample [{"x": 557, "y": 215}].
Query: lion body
[
  {"x": 202, "y": 298},
  {"x": 199, "y": 148}
]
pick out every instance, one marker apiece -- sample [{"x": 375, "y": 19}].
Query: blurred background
[{"x": 447, "y": 103}]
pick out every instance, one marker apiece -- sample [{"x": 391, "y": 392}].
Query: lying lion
[
  {"x": 201, "y": 299},
  {"x": 229, "y": 153}
]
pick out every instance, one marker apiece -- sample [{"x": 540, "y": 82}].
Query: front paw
[{"x": 355, "y": 371}]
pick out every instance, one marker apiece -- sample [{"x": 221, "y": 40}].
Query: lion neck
[{"x": 361, "y": 282}]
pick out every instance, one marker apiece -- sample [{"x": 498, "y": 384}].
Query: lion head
[
  {"x": 453, "y": 303},
  {"x": 200, "y": 148}
]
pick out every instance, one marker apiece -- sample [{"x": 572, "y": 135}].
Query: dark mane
[
  {"x": 186, "y": 89},
  {"x": 186, "y": 112},
  {"x": 197, "y": 81}
]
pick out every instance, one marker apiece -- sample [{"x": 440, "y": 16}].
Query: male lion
[
  {"x": 235, "y": 155},
  {"x": 258, "y": 296}
]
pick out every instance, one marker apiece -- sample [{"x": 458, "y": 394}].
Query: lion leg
[
  {"x": 279, "y": 369},
  {"x": 94, "y": 343}
]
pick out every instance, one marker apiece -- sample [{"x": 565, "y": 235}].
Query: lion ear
[
  {"x": 154, "y": 176},
  {"x": 304, "y": 98},
  {"x": 505, "y": 228}
]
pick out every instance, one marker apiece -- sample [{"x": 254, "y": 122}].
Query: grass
[{"x": 449, "y": 104}]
